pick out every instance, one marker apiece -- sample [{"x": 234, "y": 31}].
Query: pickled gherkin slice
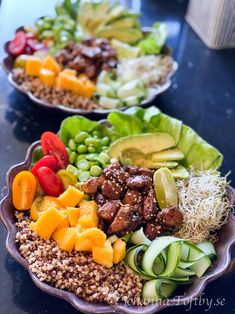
[{"x": 165, "y": 188}]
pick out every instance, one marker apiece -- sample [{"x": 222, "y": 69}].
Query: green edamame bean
[
  {"x": 81, "y": 149},
  {"x": 83, "y": 165},
  {"x": 95, "y": 171},
  {"x": 91, "y": 149},
  {"x": 104, "y": 157},
  {"x": 97, "y": 133},
  {"x": 72, "y": 145},
  {"x": 105, "y": 148},
  {"x": 72, "y": 157},
  {"x": 83, "y": 176},
  {"x": 105, "y": 141},
  {"x": 80, "y": 157},
  {"x": 90, "y": 141},
  {"x": 72, "y": 169},
  {"x": 93, "y": 163},
  {"x": 91, "y": 156},
  {"x": 80, "y": 138}
]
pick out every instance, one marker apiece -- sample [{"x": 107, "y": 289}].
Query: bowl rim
[
  {"x": 161, "y": 88},
  {"x": 88, "y": 307}
]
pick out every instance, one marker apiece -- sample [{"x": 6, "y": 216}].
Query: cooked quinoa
[
  {"x": 76, "y": 271},
  {"x": 52, "y": 95}
]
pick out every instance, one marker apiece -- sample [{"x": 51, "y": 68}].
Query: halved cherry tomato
[
  {"x": 49, "y": 181},
  {"x": 35, "y": 45},
  {"x": 52, "y": 145},
  {"x": 18, "y": 44},
  {"x": 23, "y": 190},
  {"x": 46, "y": 161}
]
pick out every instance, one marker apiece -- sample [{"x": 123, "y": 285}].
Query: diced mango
[
  {"x": 50, "y": 64},
  {"x": 88, "y": 214},
  {"x": 65, "y": 238},
  {"x": 78, "y": 87},
  {"x": 88, "y": 221},
  {"x": 47, "y": 223},
  {"x": 96, "y": 236},
  {"x": 82, "y": 243},
  {"x": 73, "y": 215},
  {"x": 66, "y": 81},
  {"x": 69, "y": 72},
  {"x": 33, "y": 66},
  {"x": 63, "y": 224},
  {"x": 71, "y": 197},
  {"x": 103, "y": 255},
  {"x": 119, "y": 251},
  {"x": 47, "y": 77},
  {"x": 50, "y": 201},
  {"x": 87, "y": 207},
  {"x": 89, "y": 89}
]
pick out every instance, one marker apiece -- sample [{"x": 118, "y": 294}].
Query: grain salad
[{"x": 76, "y": 271}]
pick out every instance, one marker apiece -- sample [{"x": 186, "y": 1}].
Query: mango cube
[
  {"x": 73, "y": 215},
  {"x": 88, "y": 221},
  {"x": 47, "y": 77},
  {"x": 63, "y": 224},
  {"x": 69, "y": 72},
  {"x": 66, "y": 81},
  {"x": 47, "y": 223},
  {"x": 103, "y": 255},
  {"x": 65, "y": 238},
  {"x": 95, "y": 235},
  {"x": 71, "y": 197},
  {"x": 33, "y": 66},
  {"x": 82, "y": 243},
  {"x": 50, "y": 64},
  {"x": 87, "y": 207},
  {"x": 119, "y": 251}
]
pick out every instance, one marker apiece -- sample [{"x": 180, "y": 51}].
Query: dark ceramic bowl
[
  {"x": 8, "y": 66},
  {"x": 190, "y": 292}
]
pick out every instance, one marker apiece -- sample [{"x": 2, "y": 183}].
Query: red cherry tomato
[
  {"x": 52, "y": 145},
  {"x": 18, "y": 44},
  {"x": 46, "y": 161},
  {"x": 49, "y": 181},
  {"x": 35, "y": 45},
  {"x": 30, "y": 35}
]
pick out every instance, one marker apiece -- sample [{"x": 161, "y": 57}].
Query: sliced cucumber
[
  {"x": 155, "y": 248},
  {"x": 132, "y": 88},
  {"x": 109, "y": 103},
  {"x": 133, "y": 256},
  {"x": 208, "y": 249},
  {"x": 180, "y": 272},
  {"x": 184, "y": 252},
  {"x": 126, "y": 237},
  {"x": 159, "y": 264},
  {"x": 105, "y": 90},
  {"x": 173, "y": 258},
  {"x": 132, "y": 100},
  {"x": 195, "y": 253},
  {"x": 165, "y": 288},
  {"x": 201, "y": 266},
  {"x": 138, "y": 237},
  {"x": 149, "y": 292}
]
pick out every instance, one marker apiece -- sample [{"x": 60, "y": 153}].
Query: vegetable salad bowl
[
  {"x": 226, "y": 238},
  {"x": 8, "y": 67}
]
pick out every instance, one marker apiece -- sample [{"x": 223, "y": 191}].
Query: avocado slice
[
  {"x": 124, "y": 50},
  {"x": 171, "y": 154},
  {"x": 187, "y": 139},
  {"x": 170, "y": 125},
  {"x": 146, "y": 143},
  {"x": 127, "y": 35},
  {"x": 180, "y": 172},
  {"x": 125, "y": 22}
]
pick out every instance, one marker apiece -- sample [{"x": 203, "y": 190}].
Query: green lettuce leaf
[
  {"x": 154, "y": 42},
  {"x": 73, "y": 125}
]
